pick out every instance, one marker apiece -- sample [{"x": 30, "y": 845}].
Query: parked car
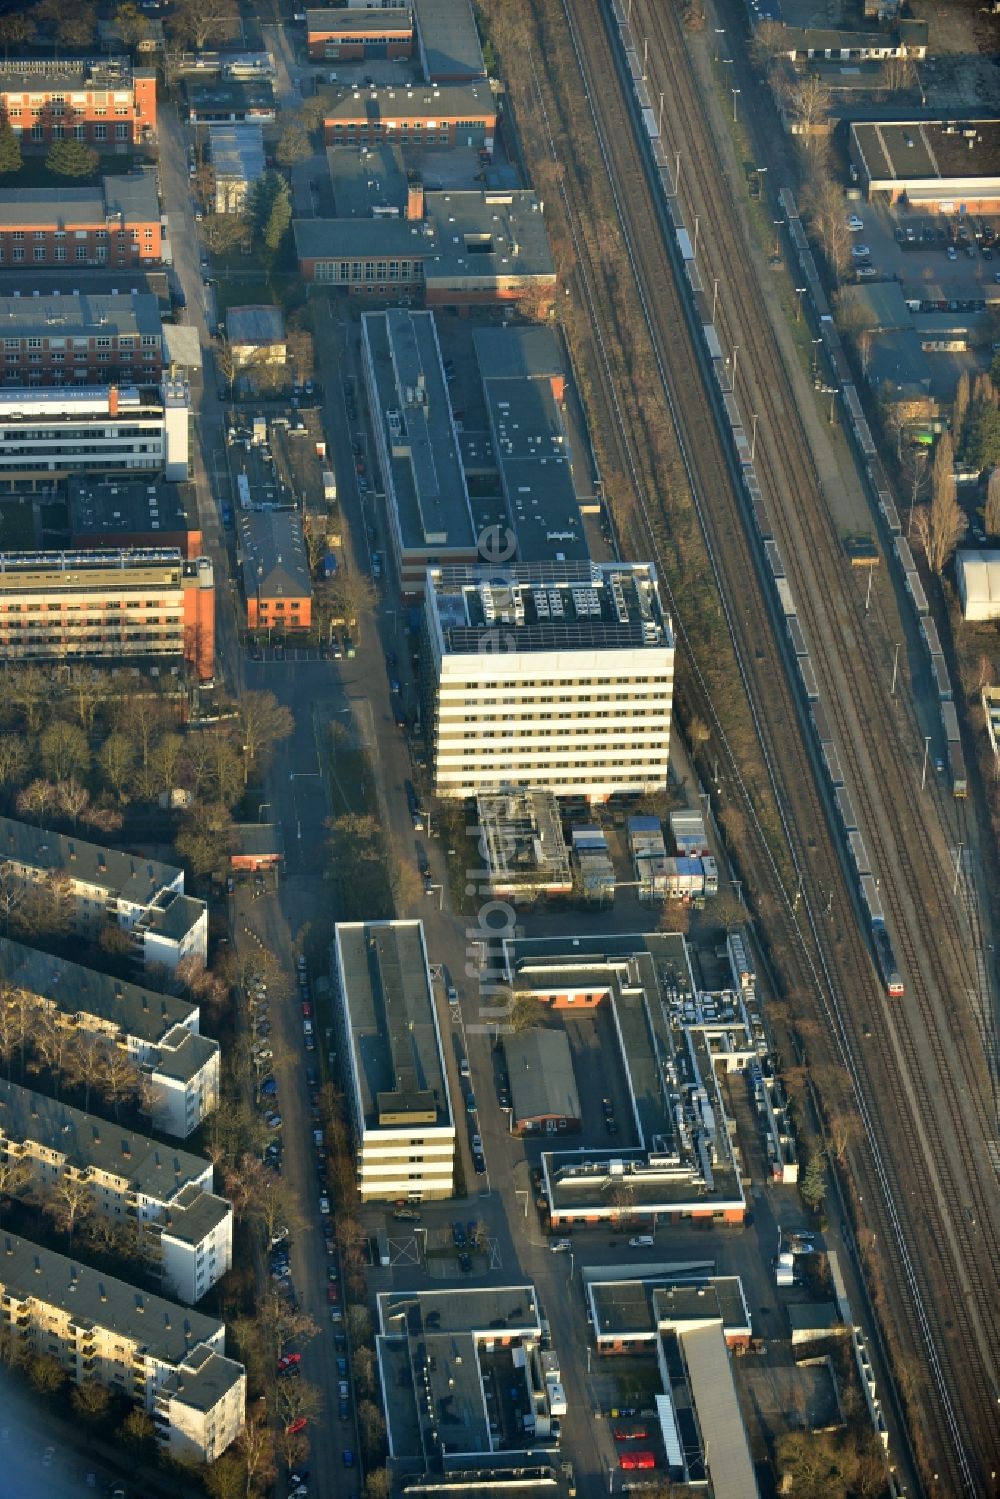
[
  {"x": 860, "y": 252},
  {"x": 287, "y": 1361},
  {"x": 406, "y": 1215},
  {"x": 294, "y": 1427},
  {"x": 348, "y": 1457},
  {"x": 633, "y": 1434},
  {"x": 855, "y": 224},
  {"x": 324, "y": 1205}
]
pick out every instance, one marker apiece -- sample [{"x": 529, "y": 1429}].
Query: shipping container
[
  {"x": 871, "y": 897},
  {"x": 796, "y": 636},
  {"x": 785, "y": 598},
  {"x": 956, "y": 767},
  {"x": 833, "y": 768},
  {"x": 949, "y": 717},
  {"x": 942, "y": 681},
  {"x": 808, "y": 676},
  {"x": 774, "y": 561},
  {"x": 846, "y": 808},
  {"x": 859, "y": 853}
]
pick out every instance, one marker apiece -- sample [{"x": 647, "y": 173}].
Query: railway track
[{"x": 734, "y": 562}]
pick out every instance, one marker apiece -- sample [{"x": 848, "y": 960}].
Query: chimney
[
  {"x": 113, "y": 400},
  {"x": 415, "y": 201}
]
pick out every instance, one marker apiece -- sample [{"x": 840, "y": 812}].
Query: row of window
[
  {"x": 81, "y": 357},
  {"x": 418, "y": 127},
  {"x": 369, "y": 270},
  {"x": 101, "y": 341},
  {"x": 83, "y": 252},
  {"x": 18, "y": 235},
  {"x": 57, "y": 132}
]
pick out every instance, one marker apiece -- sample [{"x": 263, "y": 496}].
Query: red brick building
[
  {"x": 109, "y": 104},
  {"x": 116, "y": 224},
  {"x": 353, "y": 35},
  {"x": 459, "y": 114},
  {"x": 59, "y": 340}
]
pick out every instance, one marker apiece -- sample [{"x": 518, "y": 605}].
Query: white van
[{"x": 641, "y": 1241}]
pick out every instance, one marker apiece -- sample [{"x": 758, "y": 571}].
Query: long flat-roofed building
[
  {"x": 397, "y": 1084},
  {"x": 159, "y": 1032},
  {"x": 453, "y": 249},
  {"x": 167, "y": 1191},
  {"x": 418, "y": 115},
  {"x": 350, "y": 35},
  {"x": 108, "y": 885},
  {"x": 936, "y": 165},
  {"x": 167, "y": 1358},
  {"x": 557, "y": 675},
  {"x": 427, "y": 500},
  {"x": 448, "y": 41},
  {"x": 56, "y": 340},
  {"x": 133, "y": 604},
  {"x": 104, "y": 102},
  {"x": 116, "y": 224},
  {"x": 46, "y": 434}
]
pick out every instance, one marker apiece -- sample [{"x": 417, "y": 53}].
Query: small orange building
[
  {"x": 277, "y": 586},
  {"x": 256, "y": 845},
  {"x": 352, "y": 35},
  {"x": 422, "y": 115}
]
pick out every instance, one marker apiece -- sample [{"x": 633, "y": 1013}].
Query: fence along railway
[{"x": 921, "y": 1161}]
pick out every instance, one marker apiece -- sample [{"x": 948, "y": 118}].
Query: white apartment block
[
  {"x": 94, "y": 429},
  {"x": 159, "y": 1032},
  {"x": 401, "y": 1113},
  {"x": 166, "y": 1358},
  {"x": 553, "y": 675},
  {"x": 167, "y": 1191},
  {"x": 142, "y": 896}
]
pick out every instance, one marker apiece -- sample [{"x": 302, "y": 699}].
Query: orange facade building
[{"x": 107, "y": 104}]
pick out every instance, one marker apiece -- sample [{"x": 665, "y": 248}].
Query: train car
[
  {"x": 821, "y": 724},
  {"x": 871, "y": 897},
  {"x": 785, "y": 598},
  {"x": 831, "y": 758},
  {"x": 891, "y": 515},
  {"x": 649, "y": 122},
  {"x": 808, "y": 676},
  {"x": 796, "y": 636},
  {"x": 846, "y": 809},
  {"x": 774, "y": 562},
  {"x": 859, "y": 853},
  {"x": 942, "y": 681},
  {"x": 956, "y": 769},
  {"x": 886, "y": 960},
  {"x": 916, "y": 591},
  {"x": 929, "y": 631},
  {"x": 712, "y": 340},
  {"x": 949, "y": 717},
  {"x": 902, "y": 549}
]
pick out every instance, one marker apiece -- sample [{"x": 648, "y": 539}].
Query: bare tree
[
  {"x": 897, "y": 74},
  {"x": 960, "y": 408},
  {"x": 769, "y": 44},
  {"x": 991, "y": 512},
  {"x": 68, "y": 1200},
  {"x": 15, "y": 1175},
  {"x": 263, "y": 721}
]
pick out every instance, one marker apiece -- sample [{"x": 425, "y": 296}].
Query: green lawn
[{"x": 34, "y": 172}]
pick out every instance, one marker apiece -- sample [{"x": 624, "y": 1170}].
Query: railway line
[{"x": 921, "y": 1161}]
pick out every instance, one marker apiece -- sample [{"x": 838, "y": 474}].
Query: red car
[
  {"x": 638, "y": 1435},
  {"x": 629, "y": 1461},
  {"x": 333, "y": 1295},
  {"x": 294, "y": 1427},
  {"x": 288, "y": 1361},
  {"x": 306, "y": 1009}
]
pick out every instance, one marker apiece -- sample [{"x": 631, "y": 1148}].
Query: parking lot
[{"x": 935, "y": 257}]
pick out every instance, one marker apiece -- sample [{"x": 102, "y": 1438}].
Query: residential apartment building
[
  {"x": 56, "y": 339},
  {"x": 106, "y": 885},
  {"x": 277, "y": 586},
  {"x": 137, "y": 604},
  {"x": 158, "y": 1032},
  {"x": 105, "y": 102},
  {"x": 165, "y": 1191},
  {"x": 95, "y": 429},
  {"x": 116, "y": 224},
  {"x": 556, "y": 675},
  {"x": 351, "y": 35},
  {"x": 166, "y": 1358},
  {"x": 457, "y": 114},
  {"x": 397, "y": 1085}
]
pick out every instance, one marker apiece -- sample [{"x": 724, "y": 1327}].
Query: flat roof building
[
  {"x": 457, "y": 248},
  {"x": 137, "y": 604},
  {"x": 94, "y": 429},
  {"x": 978, "y": 576},
  {"x": 397, "y": 1086},
  {"x": 585, "y": 651},
  {"x": 103, "y": 101},
  {"x": 524, "y": 384},
  {"x": 352, "y": 35},
  {"x": 116, "y": 224},
  {"x": 413, "y": 115},
  {"x": 448, "y": 41},
  {"x": 932, "y": 164},
  {"x": 542, "y": 1083},
  {"x": 159, "y": 1032},
  {"x": 60, "y": 339},
  {"x": 230, "y": 102},
  {"x": 427, "y": 500},
  {"x": 671, "y": 1042},
  {"x": 129, "y": 513},
  {"x": 107, "y": 885},
  {"x": 276, "y": 581},
  {"x": 236, "y": 153},
  {"x": 520, "y": 834},
  {"x": 166, "y": 1191},
  {"x": 167, "y": 1358},
  {"x": 256, "y": 333},
  {"x": 438, "y": 1352}
]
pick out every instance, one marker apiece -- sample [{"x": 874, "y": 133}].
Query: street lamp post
[
  {"x": 816, "y": 343},
  {"x": 735, "y": 93},
  {"x": 895, "y": 668},
  {"x": 715, "y": 296},
  {"x": 677, "y": 165},
  {"x": 800, "y": 292},
  {"x": 696, "y": 227},
  {"x": 778, "y": 225},
  {"x": 958, "y": 868},
  {"x": 927, "y": 750},
  {"x": 753, "y": 437},
  {"x": 736, "y": 350}
]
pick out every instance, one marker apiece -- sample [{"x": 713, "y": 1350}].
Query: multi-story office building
[
  {"x": 166, "y": 1358},
  {"x": 123, "y": 513},
  {"x": 351, "y": 35},
  {"x": 46, "y": 434},
  {"x": 397, "y": 1086},
  {"x": 158, "y": 1031},
  {"x": 105, "y": 885},
  {"x": 58, "y": 339},
  {"x": 421, "y": 116},
  {"x": 115, "y": 224},
  {"x": 165, "y": 1191},
  {"x": 556, "y": 675},
  {"x": 136, "y": 604},
  {"x": 104, "y": 102}
]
